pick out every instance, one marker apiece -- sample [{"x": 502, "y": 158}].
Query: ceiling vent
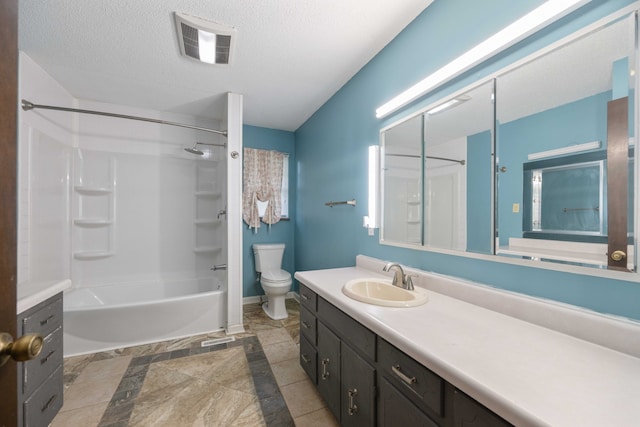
[{"x": 204, "y": 40}]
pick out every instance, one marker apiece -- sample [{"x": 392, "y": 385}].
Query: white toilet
[{"x": 275, "y": 281}]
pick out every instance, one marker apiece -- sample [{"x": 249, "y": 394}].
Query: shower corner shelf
[
  {"x": 210, "y": 194},
  {"x": 206, "y": 249},
  {"x": 88, "y": 255},
  {"x": 96, "y": 222},
  {"x": 89, "y": 190},
  {"x": 206, "y": 221}
]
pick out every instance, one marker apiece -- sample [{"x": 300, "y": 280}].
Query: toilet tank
[{"x": 268, "y": 256}]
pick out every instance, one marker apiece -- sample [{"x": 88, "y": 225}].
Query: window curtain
[{"x": 262, "y": 172}]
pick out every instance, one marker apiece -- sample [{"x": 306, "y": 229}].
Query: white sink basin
[{"x": 382, "y": 292}]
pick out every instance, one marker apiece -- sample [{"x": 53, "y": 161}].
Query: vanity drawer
[
  {"x": 44, "y": 404},
  {"x": 37, "y": 370},
  {"x": 417, "y": 382},
  {"x": 308, "y": 298},
  {"x": 308, "y": 359},
  {"x": 43, "y": 319},
  {"x": 308, "y": 325},
  {"x": 349, "y": 330}
]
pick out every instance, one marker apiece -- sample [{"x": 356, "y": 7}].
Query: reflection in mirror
[
  {"x": 444, "y": 201},
  {"x": 458, "y": 137},
  {"x": 402, "y": 183},
  {"x": 565, "y": 153}
]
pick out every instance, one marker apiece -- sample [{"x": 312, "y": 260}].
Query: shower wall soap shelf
[{"x": 85, "y": 196}]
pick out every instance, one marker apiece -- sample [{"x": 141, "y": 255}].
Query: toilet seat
[{"x": 276, "y": 277}]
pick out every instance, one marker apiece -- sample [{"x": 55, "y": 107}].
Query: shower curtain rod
[
  {"x": 462, "y": 162},
  {"x": 26, "y": 106}
]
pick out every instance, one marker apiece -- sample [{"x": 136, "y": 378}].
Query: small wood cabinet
[
  {"x": 40, "y": 381},
  {"x": 366, "y": 381}
]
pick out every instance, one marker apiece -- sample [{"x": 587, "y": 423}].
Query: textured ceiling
[{"x": 291, "y": 55}]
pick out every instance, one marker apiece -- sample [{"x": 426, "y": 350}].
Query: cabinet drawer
[
  {"x": 349, "y": 330},
  {"x": 308, "y": 325},
  {"x": 308, "y": 298},
  {"x": 43, "y": 319},
  {"x": 417, "y": 382},
  {"x": 308, "y": 359},
  {"x": 467, "y": 411},
  {"x": 45, "y": 403},
  {"x": 37, "y": 370}
]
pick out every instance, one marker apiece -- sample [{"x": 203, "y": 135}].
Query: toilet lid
[{"x": 276, "y": 276}]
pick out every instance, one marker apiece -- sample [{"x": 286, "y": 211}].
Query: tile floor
[{"x": 255, "y": 380}]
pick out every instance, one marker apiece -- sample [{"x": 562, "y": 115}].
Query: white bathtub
[{"x": 122, "y": 315}]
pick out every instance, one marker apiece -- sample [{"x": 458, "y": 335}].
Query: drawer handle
[
  {"x": 306, "y": 325},
  {"x": 49, "y": 403},
  {"x": 45, "y": 321},
  {"x": 396, "y": 370},
  {"x": 304, "y": 296},
  {"x": 325, "y": 372},
  {"x": 353, "y": 408},
  {"x": 305, "y": 358},
  {"x": 46, "y": 358}
]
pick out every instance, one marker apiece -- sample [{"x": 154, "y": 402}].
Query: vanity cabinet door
[
  {"x": 358, "y": 389},
  {"x": 469, "y": 413},
  {"x": 329, "y": 368},
  {"x": 394, "y": 409}
]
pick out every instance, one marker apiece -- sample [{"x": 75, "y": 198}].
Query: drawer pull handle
[
  {"x": 46, "y": 358},
  {"x": 304, "y": 296},
  {"x": 306, "y": 325},
  {"x": 325, "y": 372},
  {"x": 45, "y": 321},
  {"x": 409, "y": 380},
  {"x": 49, "y": 403},
  {"x": 305, "y": 358},
  {"x": 353, "y": 408}
]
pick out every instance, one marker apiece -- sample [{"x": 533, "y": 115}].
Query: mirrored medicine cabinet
[{"x": 536, "y": 162}]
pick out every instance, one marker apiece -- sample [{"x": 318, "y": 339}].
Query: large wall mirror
[
  {"x": 437, "y": 175},
  {"x": 535, "y": 162},
  {"x": 565, "y": 152}
]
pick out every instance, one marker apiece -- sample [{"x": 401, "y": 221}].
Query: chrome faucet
[{"x": 400, "y": 279}]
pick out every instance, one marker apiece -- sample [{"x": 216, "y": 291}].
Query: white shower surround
[{"x": 99, "y": 248}]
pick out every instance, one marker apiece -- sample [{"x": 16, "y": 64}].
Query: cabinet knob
[
  {"x": 25, "y": 348},
  {"x": 618, "y": 255}
]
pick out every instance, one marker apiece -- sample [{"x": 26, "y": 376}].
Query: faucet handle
[{"x": 409, "y": 281}]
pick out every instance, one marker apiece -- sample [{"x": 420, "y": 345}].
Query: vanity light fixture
[
  {"x": 547, "y": 13},
  {"x": 449, "y": 104},
  {"x": 571, "y": 149},
  {"x": 372, "y": 221},
  {"x": 204, "y": 40}
]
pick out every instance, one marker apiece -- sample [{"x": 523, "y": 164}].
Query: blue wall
[
  {"x": 331, "y": 151},
  {"x": 282, "y": 231}
]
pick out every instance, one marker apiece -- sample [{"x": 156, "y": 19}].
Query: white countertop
[
  {"x": 32, "y": 294},
  {"x": 528, "y": 374}
]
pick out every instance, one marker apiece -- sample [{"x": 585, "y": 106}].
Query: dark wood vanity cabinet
[
  {"x": 366, "y": 381},
  {"x": 344, "y": 356},
  {"x": 40, "y": 381}
]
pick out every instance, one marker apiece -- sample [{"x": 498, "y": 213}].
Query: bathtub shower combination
[
  {"x": 146, "y": 231},
  {"x": 135, "y": 215}
]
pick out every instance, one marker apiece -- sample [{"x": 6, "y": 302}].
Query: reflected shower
[{"x": 195, "y": 150}]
